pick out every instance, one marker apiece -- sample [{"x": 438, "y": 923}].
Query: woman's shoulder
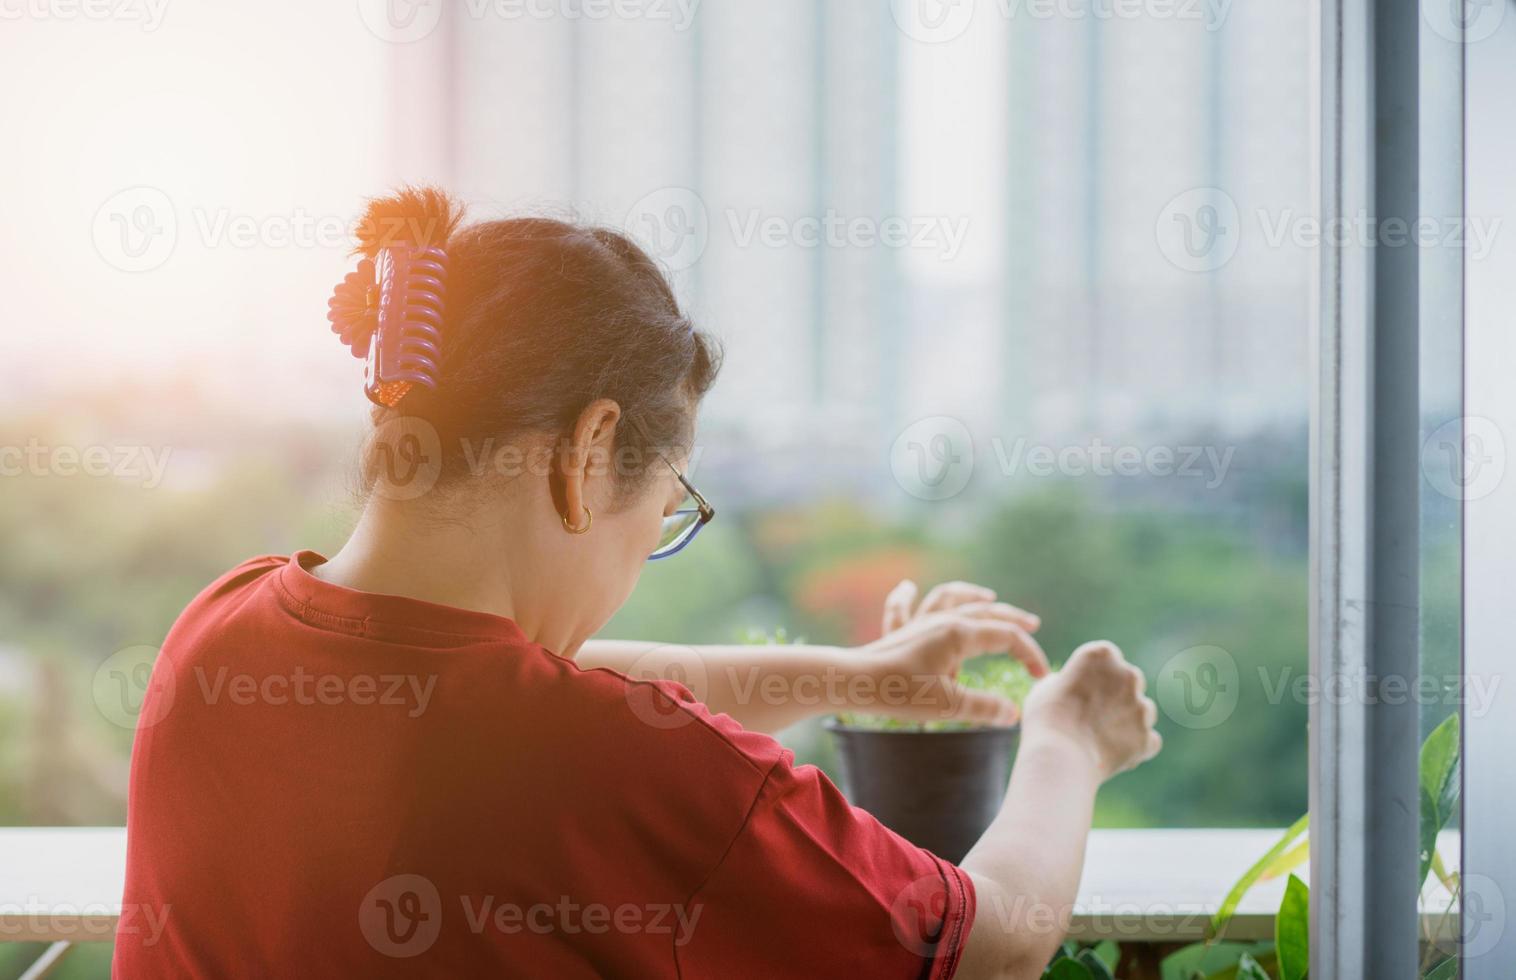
[
  {"x": 669, "y": 713},
  {"x": 234, "y": 584}
]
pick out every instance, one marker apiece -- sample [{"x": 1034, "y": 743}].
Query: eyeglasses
[{"x": 680, "y": 527}]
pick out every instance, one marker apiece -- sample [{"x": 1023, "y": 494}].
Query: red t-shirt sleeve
[{"x": 811, "y": 886}]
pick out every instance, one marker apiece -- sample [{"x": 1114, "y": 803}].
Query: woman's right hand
[
  {"x": 1080, "y": 726},
  {"x": 1096, "y": 700}
]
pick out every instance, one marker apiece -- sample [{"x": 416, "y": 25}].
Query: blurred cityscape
[{"x": 962, "y": 271}]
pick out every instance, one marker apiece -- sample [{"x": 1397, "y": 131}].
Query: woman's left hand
[{"x": 916, "y": 661}]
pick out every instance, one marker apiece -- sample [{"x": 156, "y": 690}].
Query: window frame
[
  {"x": 1489, "y": 780},
  {"x": 1364, "y": 494}
]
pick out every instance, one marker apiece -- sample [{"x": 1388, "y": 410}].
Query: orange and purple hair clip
[{"x": 389, "y": 312}]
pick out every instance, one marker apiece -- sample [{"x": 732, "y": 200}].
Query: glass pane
[
  {"x": 1488, "y": 495},
  {"x": 1018, "y": 299},
  {"x": 1446, "y": 468}
]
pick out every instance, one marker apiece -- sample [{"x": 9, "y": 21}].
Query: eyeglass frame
[{"x": 702, "y": 507}]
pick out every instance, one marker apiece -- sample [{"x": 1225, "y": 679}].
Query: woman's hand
[
  {"x": 1097, "y": 701},
  {"x": 915, "y": 664},
  {"x": 900, "y": 606},
  {"x": 1082, "y": 725}
]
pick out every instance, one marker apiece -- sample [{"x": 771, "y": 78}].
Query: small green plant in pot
[{"x": 937, "y": 784}]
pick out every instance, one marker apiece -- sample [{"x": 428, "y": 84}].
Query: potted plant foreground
[{"x": 937, "y": 784}]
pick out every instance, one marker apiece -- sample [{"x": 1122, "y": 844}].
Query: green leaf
[
  {"x": 1064, "y": 968},
  {"x": 1288, "y": 861},
  {"x": 1096, "y": 965},
  {"x": 1448, "y": 878},
  {"x": 1292, "y": 931},
  {"x": 1201, "y": 960},
  {"x": 1109, "y": 953},
  {"x": 1446, "y": 970},
  {"x": 1439, "y": 786},
  {"x": 1250, "y": 877},
  {"x": 1267, "y": 961},
  {"x": 1248, "y": 969}
]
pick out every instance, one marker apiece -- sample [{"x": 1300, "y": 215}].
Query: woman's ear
[{"x": 586, "y": 457}]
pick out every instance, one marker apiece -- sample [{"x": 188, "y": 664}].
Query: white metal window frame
[
  {"x": 1365, "y": 491},
  {"x": 1374, "y": 60}
]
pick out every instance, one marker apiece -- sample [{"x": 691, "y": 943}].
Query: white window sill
[{"x": 64, "y": 884}]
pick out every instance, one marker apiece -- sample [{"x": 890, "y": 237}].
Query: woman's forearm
[
  {"x": 1027, "y": 865},
  {"x": 765, "y": 688}
]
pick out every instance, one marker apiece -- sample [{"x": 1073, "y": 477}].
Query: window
[
  {"x": 1017, "y": 298},
  {"x": 1016, "y": 292}
]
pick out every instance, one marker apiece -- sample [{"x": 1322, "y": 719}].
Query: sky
[{"x": 159, "y": 179}]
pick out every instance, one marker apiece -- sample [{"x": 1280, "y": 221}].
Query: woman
[{"x": 413, "y": 759}]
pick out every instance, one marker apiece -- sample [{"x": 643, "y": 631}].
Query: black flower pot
[{"x": 938, "y": 790}]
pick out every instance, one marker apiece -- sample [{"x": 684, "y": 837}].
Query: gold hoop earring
[{"x": 589, "y": 518}]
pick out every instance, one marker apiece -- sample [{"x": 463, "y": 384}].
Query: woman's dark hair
[{"x": 542, "y": 317}]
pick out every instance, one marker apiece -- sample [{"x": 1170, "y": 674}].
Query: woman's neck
[{"x": 394, "y": 550}]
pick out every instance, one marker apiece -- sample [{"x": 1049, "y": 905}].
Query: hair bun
[{"x": 419, "y": 216}]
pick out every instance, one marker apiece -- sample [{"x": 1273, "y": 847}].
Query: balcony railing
[{"x": 64, "y": 886}]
